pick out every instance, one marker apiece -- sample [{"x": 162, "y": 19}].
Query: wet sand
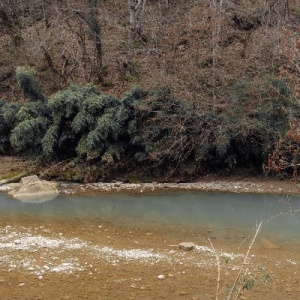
[{"x": 54, "y": 258}]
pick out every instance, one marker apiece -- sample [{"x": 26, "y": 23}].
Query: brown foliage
[
  {"x": 286, "y": 156},
  {"x": 196, "y": 48}
]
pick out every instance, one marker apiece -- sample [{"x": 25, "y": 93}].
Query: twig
[
  {"x": 219, "y": 268},
  {"x": 240, "y": 287},
  {"x": 244, "y": 261}
]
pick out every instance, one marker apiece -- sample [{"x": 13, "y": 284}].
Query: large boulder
[{"x": 32, "y": 189}]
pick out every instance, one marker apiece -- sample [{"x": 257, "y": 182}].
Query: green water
[{"x": 188, "y": 209}]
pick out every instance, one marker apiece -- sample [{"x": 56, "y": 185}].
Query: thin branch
[
  {"x": 219, "y": 268},
  {"x": 245, "y": 260}
]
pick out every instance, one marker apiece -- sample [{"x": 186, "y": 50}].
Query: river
[{"x": 197, "y": 210}]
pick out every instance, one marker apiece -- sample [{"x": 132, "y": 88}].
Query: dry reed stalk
[
  {"x": 244, "y": 262},
  {"x": 219, "y": 269}
]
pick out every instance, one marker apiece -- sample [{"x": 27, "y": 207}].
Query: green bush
[
  {"x": 30, "y": 127},
  {"x": 8, "y": 113},
  {"x": 151, "y": 129},
  {"x": 84, "y": 122},
  {"x": 29, "y": 84},
  {"x": 31, "y": 119}
]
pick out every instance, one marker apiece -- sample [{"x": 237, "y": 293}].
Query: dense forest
[{"x": 166, "y": 89}]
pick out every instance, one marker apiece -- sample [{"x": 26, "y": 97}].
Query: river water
[{"x": 197, "y": 210}]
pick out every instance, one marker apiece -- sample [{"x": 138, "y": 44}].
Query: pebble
[
  {"x": 161, "y": 277},
  {"x": 187, "y": 246}
]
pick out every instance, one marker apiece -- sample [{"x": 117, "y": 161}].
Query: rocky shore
[
  {"x": 13, "y": 167},
  {"x": 240, "y": 186}
]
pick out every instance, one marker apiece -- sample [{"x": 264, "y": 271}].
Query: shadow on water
[{"x": 189, "y": 209}]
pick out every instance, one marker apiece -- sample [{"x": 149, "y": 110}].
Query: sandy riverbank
[{"x": 90, "y": 259}]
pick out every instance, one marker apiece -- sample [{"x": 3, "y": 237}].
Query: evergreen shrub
[
  {"x": 8, "y": 113},
  {"x": 149, "y": 129},
  {"x": 29, "y": 84}
]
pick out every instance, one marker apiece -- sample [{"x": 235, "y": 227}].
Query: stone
[
  {"x": 187, "y": 246},
  {"x": 161, "y": 277},
  {"x": 34, "y": 190},
  {"x": 29, "y": 179}
]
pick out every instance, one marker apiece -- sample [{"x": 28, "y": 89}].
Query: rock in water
[
  {"x": 32, "y": 189},
  {"x": 187, "y": 246}
]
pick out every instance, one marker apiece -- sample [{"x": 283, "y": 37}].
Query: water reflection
[{"x": 37, "y": 199}]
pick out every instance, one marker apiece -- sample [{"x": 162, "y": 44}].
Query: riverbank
[
  {"x": 93, "y": 259},
  {"x": 11, "y": 166},
  {"x": 248, "y": 185}
]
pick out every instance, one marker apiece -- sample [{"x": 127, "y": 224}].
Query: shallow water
[{"x": 201, "y": 210}]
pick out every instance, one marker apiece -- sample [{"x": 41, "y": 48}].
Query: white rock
[
  {"x": 29, "y": 179},
  {"x": 161, "y": 277},
  {"x": 34, "y": 190},
  {"x": 187, "y": 246}
]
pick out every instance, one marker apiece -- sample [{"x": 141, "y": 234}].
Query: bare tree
[
  {"x": 91, "y": 18},
  {"x": 136, "y": 10},
  {"x": 9, "y": 22},
  {"x": 217, "y": 15}
]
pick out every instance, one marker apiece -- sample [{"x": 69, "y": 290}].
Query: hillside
[{"x": 236, "y": 63}]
